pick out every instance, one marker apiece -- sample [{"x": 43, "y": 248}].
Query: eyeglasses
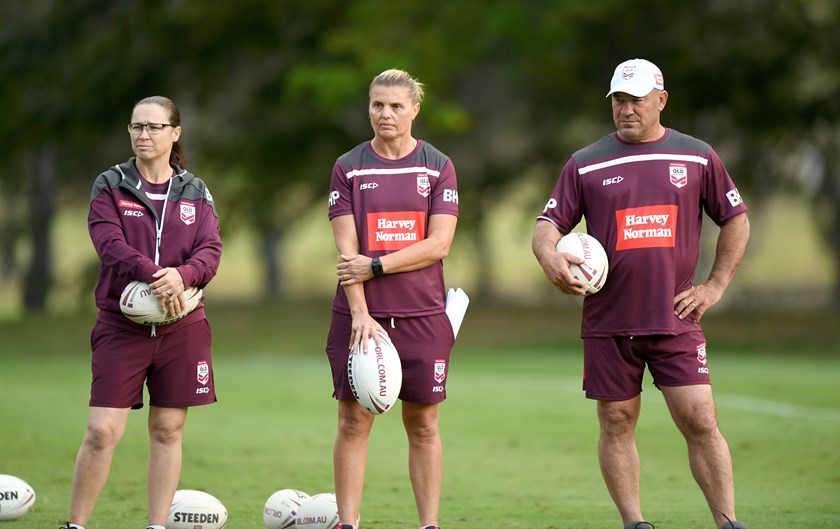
[{"x": 136, "y": 129}]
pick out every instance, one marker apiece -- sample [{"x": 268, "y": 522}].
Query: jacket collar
[{"x": 131, "y": 177}]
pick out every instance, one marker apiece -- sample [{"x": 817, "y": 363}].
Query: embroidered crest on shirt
[
  {"x": 423, "y": 185},
  {"x": 187, "y": 213},
  {"x": 679, "y": 174}
]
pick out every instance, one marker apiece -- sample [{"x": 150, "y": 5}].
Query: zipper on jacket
[
  {"x": 158, "y": 223},
  {"x": 158, "y": 236}
]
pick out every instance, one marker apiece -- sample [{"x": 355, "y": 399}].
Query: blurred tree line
[{"x": 273, "y": 91}]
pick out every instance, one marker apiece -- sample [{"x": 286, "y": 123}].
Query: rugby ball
[
  {"x": 281, "y": 507},
  {"x": 318, "y": 512},
  {"x": 375, "y": 375},
  {"x": 194, "y": 509},
  {"x": 16, "y": 497},
  {"x": 139, "y": 305},
  {"x": 593, "y": 273}
]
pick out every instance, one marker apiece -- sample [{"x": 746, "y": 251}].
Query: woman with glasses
[
  {"x": 150, "y": 220},
  {"x": 393, "y": 206}
]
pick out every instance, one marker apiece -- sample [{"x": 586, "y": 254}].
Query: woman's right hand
[{"x": 364, "y": 326}]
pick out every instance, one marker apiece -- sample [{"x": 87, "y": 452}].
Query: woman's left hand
[
  {"x": 169, "y": 289},
  {"x": 353, "y": 269}
]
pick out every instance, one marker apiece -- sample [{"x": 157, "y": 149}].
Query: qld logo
[
  {"x": 701, "y": 353},
  {"x": 423, "y": 185},
  {"x": 187, "y": 213},
  {"x": 679, "y": 174},
  {"x": 203, "y": 373},
  {"x": 440, "y": 370}
]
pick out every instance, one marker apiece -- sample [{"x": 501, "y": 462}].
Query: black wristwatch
[{"x": 376, "y": 267}]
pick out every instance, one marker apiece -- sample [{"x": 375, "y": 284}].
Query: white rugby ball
[
  {"x": 593, "y": 273},
  {"x": 194, "y": 509},
  {"x": 318, "y": 512},
  {"x": 141, "y": 306},
  {"x": 376, "y": 375},
  {"x": 16, "y": 497},
  {"x": 281, "y": 507}
]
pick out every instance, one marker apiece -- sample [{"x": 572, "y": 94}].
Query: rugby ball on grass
[
  {"x": 16, "y": 497},
  {"x": 593, "y": 273},
  {"x": 281, "y": 508},
  {"x": 194, "y": 509},
  {"x": 375, "y": 375},
  {"x": 141, "y": 306},
  {"x": 318, "y": 512}
]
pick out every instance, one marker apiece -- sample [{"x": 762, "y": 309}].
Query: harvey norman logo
[
  {"x": 646, "y": 227},
  {"x": 395, "y": 230},
  {"x": 130, "y": 204}
]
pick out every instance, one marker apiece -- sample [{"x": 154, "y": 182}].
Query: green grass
[{"x": 519, "y": 437}]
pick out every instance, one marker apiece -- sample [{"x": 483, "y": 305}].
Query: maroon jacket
[{"x": 123, "y": 226}]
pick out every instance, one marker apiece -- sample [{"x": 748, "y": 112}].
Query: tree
[{"x": 272, "y": 92}]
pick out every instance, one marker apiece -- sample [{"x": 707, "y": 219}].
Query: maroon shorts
[
  {"x": 423, "y": 343},
  {"x": 176, "y": 367},
  {"x": 613, "y": 367}
]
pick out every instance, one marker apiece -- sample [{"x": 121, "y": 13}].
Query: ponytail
[{"x": 177, "y": 156}]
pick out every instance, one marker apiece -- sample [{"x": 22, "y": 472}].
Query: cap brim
[{"x": 629, "y": 88}]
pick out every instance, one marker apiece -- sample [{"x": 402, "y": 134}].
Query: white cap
[{"x": 636, "y": 77}]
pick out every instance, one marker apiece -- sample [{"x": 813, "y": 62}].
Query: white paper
[{"x": 456, "y": 306}]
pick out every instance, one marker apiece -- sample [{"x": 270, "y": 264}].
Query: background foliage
[{"x": 273, "y": 92}]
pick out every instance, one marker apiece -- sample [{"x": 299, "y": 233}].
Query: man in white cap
[{"x": 643, "y": 191}]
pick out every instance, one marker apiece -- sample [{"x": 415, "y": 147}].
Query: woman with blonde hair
[{"x": 393, "y": 208}]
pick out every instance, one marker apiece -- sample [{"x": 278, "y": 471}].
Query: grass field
[{"x": 519, "y": 437}]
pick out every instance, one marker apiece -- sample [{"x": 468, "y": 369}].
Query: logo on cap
[{"x": 629, "y": 72}]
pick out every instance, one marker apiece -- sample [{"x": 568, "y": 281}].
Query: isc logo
[
  {"x": 437, "y": 389},
  {"x": 613, "y": 180},
  {"x": 132, "y": 213},
  {"x": 202, "y": 390},
  {"x": 369, "y": 185}
]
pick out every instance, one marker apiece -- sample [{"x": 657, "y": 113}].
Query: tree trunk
[
  {"x": 831, "y": 192},
  {"x": 483, "y": 272},
  {"x": 8, "y": 238},
  {"x": 271, "y": 240},
  {"x": 39, "y": 276}
]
